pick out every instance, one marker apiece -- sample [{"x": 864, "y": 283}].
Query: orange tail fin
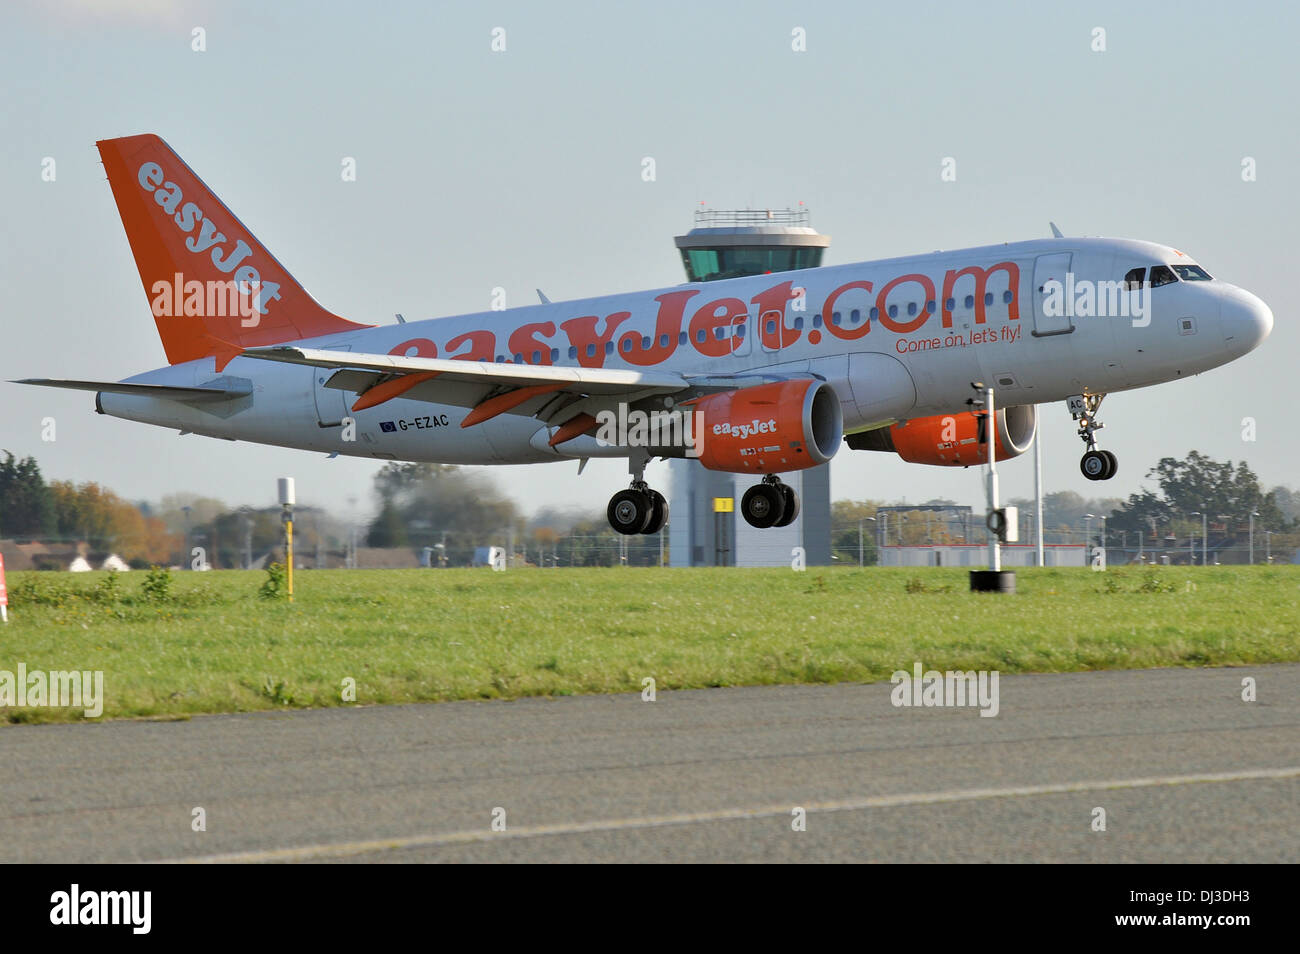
[{"x": 213, "y": 288}]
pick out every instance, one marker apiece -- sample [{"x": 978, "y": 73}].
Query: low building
[{"x": 977, "y": 555}]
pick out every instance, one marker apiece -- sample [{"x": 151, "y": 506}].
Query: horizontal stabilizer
[{"x": 163, "y": 391}]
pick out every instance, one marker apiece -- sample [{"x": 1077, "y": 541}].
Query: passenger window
[
  {"x": 1133, "y": 279},
  {"x": 1162, "y": 275}
]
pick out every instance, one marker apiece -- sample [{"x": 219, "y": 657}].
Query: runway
[{"x": 1185, "y": 770}]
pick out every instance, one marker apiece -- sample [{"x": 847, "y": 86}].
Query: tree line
[
  {"x": 61, "y": 511},
  {"x": 453, "y": 511}
]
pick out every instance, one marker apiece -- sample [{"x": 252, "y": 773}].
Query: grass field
[{"x": 212, "y": 645}]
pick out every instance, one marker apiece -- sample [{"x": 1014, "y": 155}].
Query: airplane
[{"x": 763, "y": 374}]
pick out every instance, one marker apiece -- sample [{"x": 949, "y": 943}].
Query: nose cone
[{"x": 1246, "y": 320}]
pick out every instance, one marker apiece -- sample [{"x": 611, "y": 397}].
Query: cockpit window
[
  {"x": 1162, "y": 275},
  {"x": 1191, "y": 273},
  {"x": 1133, "y": 279}
]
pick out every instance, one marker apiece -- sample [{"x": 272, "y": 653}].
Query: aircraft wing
[
  {"x": 555, "y": 395},
  {"x": 586, "y": 380}
]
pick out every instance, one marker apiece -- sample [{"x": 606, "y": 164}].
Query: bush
[
  {"x": 1153, "y": 584},
  {"x": 276, "y": 584},
  {"x": 157, "y": 586},
  {"x": 108, "y": 590}
]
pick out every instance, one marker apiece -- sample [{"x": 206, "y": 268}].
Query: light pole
[
  {"x": 1087, "y": 535},
  {"x": 1038, "y": 494},
  {"x": 246, "y": 524},
  {"x": 1253, "y": 515},
  {"x": 1225, "y": 517},
  {"x": 861, "y": 561},
  {"x": 1205, "y": 543},
  {"x": 350, "y": 560},
  {"x": 1268, "y": 547}
]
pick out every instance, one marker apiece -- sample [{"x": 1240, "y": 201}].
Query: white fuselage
[{"x": 914, "y": 356}]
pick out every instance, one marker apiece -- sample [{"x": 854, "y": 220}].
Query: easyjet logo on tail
[{"x": 187, "y": 217}]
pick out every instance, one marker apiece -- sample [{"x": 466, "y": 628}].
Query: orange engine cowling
[
  {"x": 953, "y": 440},
  {"x": 769, "y": 428}
]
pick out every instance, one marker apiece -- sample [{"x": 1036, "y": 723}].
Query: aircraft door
[{"x": 1057, "y": 322}]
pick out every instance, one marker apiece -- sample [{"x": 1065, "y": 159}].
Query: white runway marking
[{"x": 344, "y": 849}]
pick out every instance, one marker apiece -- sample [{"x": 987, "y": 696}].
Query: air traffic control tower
[{"x": 732, "y": 244}]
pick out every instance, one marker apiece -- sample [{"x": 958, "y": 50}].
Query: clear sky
[{"x": 522, "y": 169}]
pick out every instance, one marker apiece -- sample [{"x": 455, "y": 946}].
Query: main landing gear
[
  {"x": 770, "y": 504},
  {"x": 1095, "y": 464},
  {"x": 638, "y": 509},
  {"x": 642, "y": 510}
]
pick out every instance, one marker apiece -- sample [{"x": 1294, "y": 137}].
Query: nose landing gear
[
  {"x": 1095, "y": 464},
  {"x": 770, "y": 504}
]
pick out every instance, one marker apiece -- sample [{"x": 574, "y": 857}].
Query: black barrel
[{"x": 993, "y": 581}]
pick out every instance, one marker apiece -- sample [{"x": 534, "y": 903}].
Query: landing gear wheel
[
  {"x": 1097, "y": 465},
  {"x": 791, "y": 506},
  {"x": 630, "y": 511},
  {"x": 658, "y": 512},
  {"x": 1114, "y": 465},
  {"x": 763, "y": 505}
]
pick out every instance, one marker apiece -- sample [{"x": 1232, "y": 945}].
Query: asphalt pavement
[{"x": 1183, "y": 769}]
